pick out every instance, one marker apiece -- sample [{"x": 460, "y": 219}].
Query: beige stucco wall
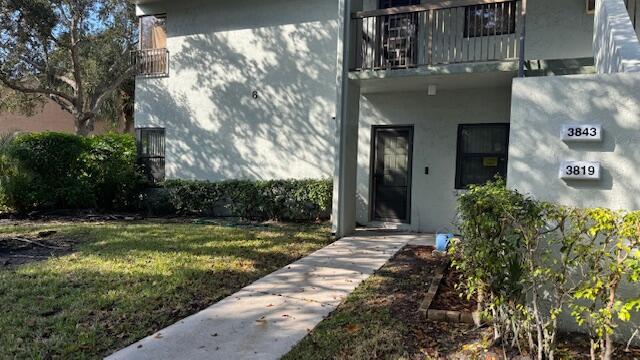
[
  {"x": 48, "y": 118},
  {"x": 221, "y": 52},
  {"x": 435, "y": 120}
]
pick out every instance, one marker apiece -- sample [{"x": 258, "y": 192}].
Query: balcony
[
  {"x": 438, "y": 33},
  {"x": 151, "y": 62}
]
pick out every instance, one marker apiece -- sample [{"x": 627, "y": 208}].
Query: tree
[{"x": 75, "y": 52}]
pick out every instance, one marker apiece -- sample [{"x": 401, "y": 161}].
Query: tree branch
[
  {"x": 102, "y": 93},
  {"x": 35, "y": 90}
]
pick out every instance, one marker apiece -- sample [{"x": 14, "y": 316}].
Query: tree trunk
[{"x": 83, "y": 126}]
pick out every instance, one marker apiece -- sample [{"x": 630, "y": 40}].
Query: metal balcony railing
[
  {"x": 437, "y": 33},
  {"x": 151, "y": 62}
]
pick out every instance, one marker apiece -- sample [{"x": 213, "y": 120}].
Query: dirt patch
[
  {"x": 22, "y": 249},
  {"x": 449, "y": 297}
]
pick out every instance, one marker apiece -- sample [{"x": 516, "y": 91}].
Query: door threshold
[{"x": 389, "y": 225}]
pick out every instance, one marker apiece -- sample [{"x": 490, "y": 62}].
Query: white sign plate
[
  {"x": 580, "y": 170},
  {"x": 575, "y": 132}
]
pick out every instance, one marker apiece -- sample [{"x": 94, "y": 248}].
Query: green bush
[
  {"x": 63, "y": 171},
  {"x": 111, "y": 162},
  {"x": 259, "y": 200},
  {"x": 531, "y": 261}
]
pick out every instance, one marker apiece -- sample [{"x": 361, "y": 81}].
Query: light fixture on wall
[{"x": 432, "y": 90}]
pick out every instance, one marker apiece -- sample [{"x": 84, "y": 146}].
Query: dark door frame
[{"x": 372, "y": 164}]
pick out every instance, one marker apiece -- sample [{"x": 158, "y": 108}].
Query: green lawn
[{"x": 128, "y": 280}]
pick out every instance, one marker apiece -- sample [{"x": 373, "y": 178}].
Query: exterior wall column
[{"x": 343, "y": 216}]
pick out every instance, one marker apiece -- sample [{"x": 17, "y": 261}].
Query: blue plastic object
[{"x": 442, "y": 241}]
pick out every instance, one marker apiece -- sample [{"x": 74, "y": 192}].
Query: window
[
  {"x": 591, "y": 7},
  {"x": 153, "y": 32},
  {"x": 490, "y": 19},
  {"x": 150, "y": 142},
  {"x": 482, "y": 153}
]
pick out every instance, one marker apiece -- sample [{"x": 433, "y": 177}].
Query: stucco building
[{"x": 403, "y": 103}]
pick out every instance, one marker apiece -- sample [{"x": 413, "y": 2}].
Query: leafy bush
[
  {"x": 261, "y": 200},
  {"x": 111, "y": 163},
  {"x": 529, "y": 261},
  {"x": 55, "y": 170},
  {"x": 6, "y": 166}
]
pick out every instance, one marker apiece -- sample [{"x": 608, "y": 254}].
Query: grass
[
  {"x": 380, "y": 319},
  {"x": 364, "y": 326},
  {"x": 128, "y": 280}
]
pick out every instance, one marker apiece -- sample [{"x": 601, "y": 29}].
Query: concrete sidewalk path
[{"x": 267, "y": 318}]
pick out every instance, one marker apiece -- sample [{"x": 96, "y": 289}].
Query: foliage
[
  {"x": 609, "y": 250},
  {"x": 49, "y": 173},
  {"x": 125, "y": 281},
  {"x": 111, "y": 164},
  {"x": 550, "y": 258},
  {"x": 15, "y": 102},
  {"x": 490, "y": 256},
  {"x": 73, "y": 52},
  {"x": 272, "y": 199},
  {"x": 6, "y": 165},
  {"x": 61, "y": 171}
]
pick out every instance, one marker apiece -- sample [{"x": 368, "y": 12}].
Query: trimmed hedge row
[
  {"x": 61, "y": 171},
  {"x": 258, "y": 200}
]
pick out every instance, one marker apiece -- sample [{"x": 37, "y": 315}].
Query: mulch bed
[
  {"x": 442, "y": 340},
  {"x": 449, "y": 297},
  {"x": 17, "y": 250}
]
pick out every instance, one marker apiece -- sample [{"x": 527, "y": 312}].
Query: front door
[{"x": 391, "y": 169}]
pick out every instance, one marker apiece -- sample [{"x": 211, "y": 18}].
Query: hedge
[
  {"x": 62, "y": 171},
  {"x": 257, "y": 200}
]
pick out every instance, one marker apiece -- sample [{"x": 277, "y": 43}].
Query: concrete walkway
[{"x": 267, "y": 318}]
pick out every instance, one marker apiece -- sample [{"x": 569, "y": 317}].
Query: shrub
[
  {"x": 111, "y": 163},
  {"x": 6, "y": 166},
  {"x": 55, "y": 170},
  {"x": 532, "y": 260},
  {"x": 259, "y": 200},
  {"x": 49, "y": 172}
]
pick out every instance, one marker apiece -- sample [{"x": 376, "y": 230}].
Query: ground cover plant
[{"x": 121, "y": 281}]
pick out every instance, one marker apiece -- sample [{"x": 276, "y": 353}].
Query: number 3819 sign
[{"x": 580, "y": 170}]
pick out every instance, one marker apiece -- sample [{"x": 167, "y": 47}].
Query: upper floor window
[
  {"x": 490, "y": 19},
  {"x": 153, "y": 32}
]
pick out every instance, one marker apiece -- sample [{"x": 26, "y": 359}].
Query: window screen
[
  {"x": 482, "y": 153},
  {"x": 490, "y": 19},
  {"x": 150, "y": 143}
]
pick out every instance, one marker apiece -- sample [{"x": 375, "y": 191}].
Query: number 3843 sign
[
  {"x": 582, "y": 133},
  {"x": 580, "y": 170}
]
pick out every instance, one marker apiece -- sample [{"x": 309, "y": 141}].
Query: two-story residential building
[{"x": 404, "y": 103}]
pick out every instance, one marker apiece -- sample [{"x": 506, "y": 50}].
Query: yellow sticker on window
[{"x": 490, "y": 161}]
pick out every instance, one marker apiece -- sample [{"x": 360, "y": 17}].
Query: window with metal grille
[
  {"x": 150, "y": 143},
  {"x": 482, "y": 153},
  {"x": 490, "y": 19}
]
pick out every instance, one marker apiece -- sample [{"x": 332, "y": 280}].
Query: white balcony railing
[{"x": 615, "y": 42}]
